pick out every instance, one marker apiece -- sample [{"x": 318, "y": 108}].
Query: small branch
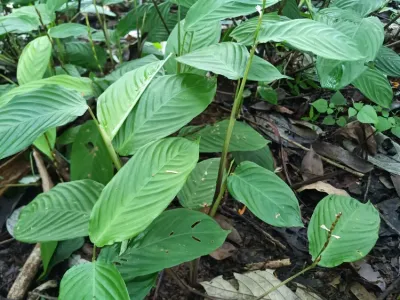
[
  {"x": 6, "y": 241},
  {"x": 105, "y": 31},
  {"x": 393, "y": 44},
  {"x": 161, "y": 16},
  {"x": 392, "y": 21},
  {"x": 8, "y": 79}
]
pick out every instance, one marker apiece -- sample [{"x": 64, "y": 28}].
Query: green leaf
[
  {"x": 155, "y": 27},
  {"x": 34, "y": 60},
  {"x": 358, "y": 106},
  {"x": 47, "y": 250},
  {"x": 168, "y": 104},
  {"x": 46, "y": 15},
  {"x": 265, "y": 194},
  {"x": 127, "y": 90},
  {"x": 388, "y": 62},
  {"x": 46, "y": 142},
  {"x": 261, "y": 70},
  {"x": 321, "y": 105},
  {"x": 205, "y": 11},
  {"x": 227, "y": 59},
  {"x": 291, "y": 10},
  {"x": 262, "y": 157},
  {"x": 338, "y": 99},
  {"x": 18, "y": 23},
  {"x": 363, "y": 8},
  {"x": 268, "y": 94},
  {"x": 184, "y": 3},
  {"x": 59, "y": 214},
  {"x": 396, "y": 131},
  {"x": 139, "y": 287},
  {"x": 67, "y": 30},
  {"x": 29, "y": 115},
  {"x": 383, "y": 124},
  {"x": 199, "y": 189},
  {"x": 375, "y": 86},
  {"x": 81, "y": 85},
  {"x": 126, "y": 207},
  {"x": 54, "y": 5},
  {"x": 175, "y": 237},
  {"x": 89, "y": 157},
  {"x": 341, "y": 121},
  {"x": 208, "y": 35},
  {"x": 81, "y": 54},
  {"x": 352, "y": 112},
  {"x": 97, "y": 9},
  {"x": 368, "y": 34},
  {"x": 212, "y": 137},
  {"x": 128, "y": 66},
  {"x": 352, "y": 238},
  {"x": 96, "y": 280},
  {"x": 305, "y": 35},
  {"x": 62, "y": 252},
  {"x": 367, "y": 114},
  {"x": 69, "y": 136}
]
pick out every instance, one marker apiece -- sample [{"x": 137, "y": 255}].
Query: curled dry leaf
[
  {"x": 360, "y": 133},
  {"x": 312, "y": 165},
  {"x": 323, "y": 187},
  {"x": 365, "y": 270},
  {"x": 226, "y": 224},
  {"x": 254, "y": 284},
  {"x": 360, "y": 292},
  {"x": 223, "y": 252}
]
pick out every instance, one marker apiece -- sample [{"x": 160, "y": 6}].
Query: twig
[
  {"x": 394, "y": 285},
  {"x": 393, "y": 44},
  {"x": 160, "y": 279},
  {"x": 392, "y": 21},
  {"x": 257, "y": 227},
  {"x": 161, "y": 16},
  {"x": 29, "y": 270},
  {"x": 296, "y": 186},
  {"x": 187, "y": 287},
  {"x": 7, "y": 79},
  {"x": 367, "y": 188},
  {"x": 6, "y": 241}
]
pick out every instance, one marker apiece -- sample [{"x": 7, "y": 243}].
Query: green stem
[
  {"x": 8, "y": 79},
  {"x": 103, "y": 26},
  {"x": 221, "y": 193},
  {"x": 161, "y": 16},
  {"x": 94, "y": 253},
  {"x": 92, "y": 44},
  {"x": 178, "y": 66},
  {"x": 235, "y": 111},
  {"x": 111, "y": 151}
]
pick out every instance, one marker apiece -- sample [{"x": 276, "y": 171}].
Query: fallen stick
[{"x": 31, "y": 267}]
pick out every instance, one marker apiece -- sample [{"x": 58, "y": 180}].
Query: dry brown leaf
[
  {"x": 323, "y": 187},
  {"x": 272, "y": 264},
  {"x": 360, "y": 292},
  {"x": 226, "y": 224},
  {"x": 362, "y": 134},
  {"x": 365, "y": 270},
  {"x": 312, "y": 165},
  {"x": 223, "y": 252},
  {"x": 12, "y": 170}
]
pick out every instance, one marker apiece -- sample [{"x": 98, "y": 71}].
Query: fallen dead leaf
[
  {"x": 365, "y": 270},
  {"x": 226, "y": 224},
  {"x": 361, "y": 134},
  {"x": 360, "y": 292},
  {"x": 223, "y": 252},
  {"x": 323, "y": 187},
  {"x": 12, "y": 170},
  {"x": 396, "y": 183},
  {"x": 312, "y": 165},
  {"x": 271, "y": 264}
]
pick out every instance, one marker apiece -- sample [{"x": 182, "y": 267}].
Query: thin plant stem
[
  {"x": 235, "y": 110},
  {"x": 8, "y": 79},
  {"x": 161, "y": 16},
  {"x": 111, "y": 151},
  {"x": 19, "y": 185},
  {"x": 92, "y": 44},
  {"x": 221, "y": 194},
  {"x": 94, "y": 253},
  {"x": 105, "y": 31},
  {"x": 178, "y": 66},
  {"x": 138, "y": 33}
]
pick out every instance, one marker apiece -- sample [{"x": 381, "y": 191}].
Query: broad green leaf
[
  {"x": 338, "y": 99},
  {"x": 208, "y": 35},
  {"x": 368, "y": 34},
  {"x": 139, "y": 287},
  {"x": 291, "y": 10},
  {"x": 128, "y": 66},
  {"x": 54, "y": 5},
  {"x": 227, "y": 59},
  {"x": 199, "y": 189},
  {"x": 364, "y": 7},
  {"x": 18, "y": 23},
  {"x": 133, "y": 19},
  {"x": 46, "y": 142},
  {"x": 81, "y": 85},
  {"x": 305, "y": 35},
  {"x": 375, "y": 86},
  {"x": 354, "y": 234},
  {"x": 262, "y": 157},
  {"x": 95, "y": 280},
  {"x": 367, "y": 114},
  {"x": 321, "y": 105},
  {"x": 69, "y": 69},
  {"x": 388, "y": 62},
  {"x": 34, "y": 60},
  {"x": 89, "y": 157},
  {"x": 69, "y": 136},
  {"x": 175, "y": 237},
  {"x": 212, "y": 137},
  {"x": 185, "y": 3},
  {"x": 141, "y": 190},
  {"x": 46, "y": 15},
  {"x": 59, "y": 214},
  {"x": 262, "y": 70},
  {"x": 205, "y": 11},
  {"x": 97, "y": 9},
  {"x": 47, "y": 250},
  {"x": 168, "y": 104},
  {"x": 29, "y": 115},
  {"x": 127, "y": 90},
  {"x": 265, "y": 194},
  {"x": 268, "y": 94},
  {"x": 153, "y": 25},
  {"x": 67, "y": 30},
  {"x": 383, "y": 124},
  {"x": 62, "y": 252},
  {"x": 81, "y": 54}
]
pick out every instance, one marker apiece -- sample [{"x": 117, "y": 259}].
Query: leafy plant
[{"x": 123, "y": 208}]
